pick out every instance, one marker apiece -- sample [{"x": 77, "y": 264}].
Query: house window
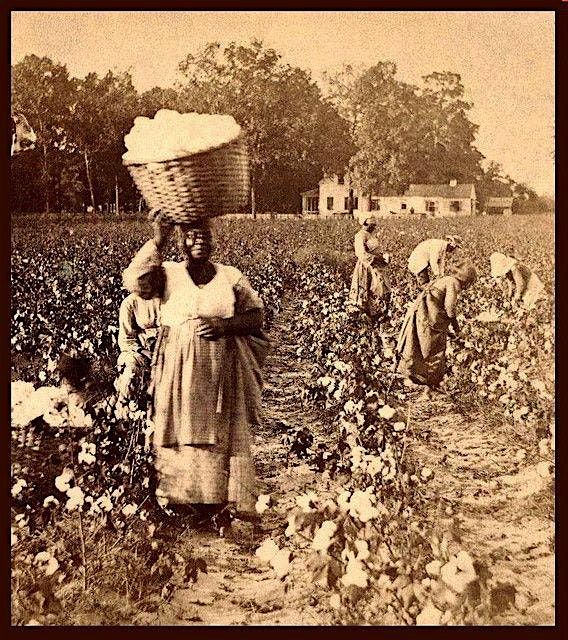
[
  {"x": 355, "y": 203},
  {"x": 312, "y": 203},
  {"x": 431, "y": 206},
  {"x": 330, "y": 203},
  {"x": 375, "y": 205},
  {"x": 455, "y": 206},
  {"x": 340, "y": 180},
  {"x": 403, "y": 205}
]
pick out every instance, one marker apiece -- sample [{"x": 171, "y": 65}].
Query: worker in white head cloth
[
  {"x": 523, "y": 287},
  {"x": 138, "y": 320},
  {"x": 431, "y": 255}
]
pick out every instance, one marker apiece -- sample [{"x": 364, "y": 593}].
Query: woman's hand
[
  {"x": 455, "y": 326},
  {"x": 162, "y": 232},
  {"x": 211, "y": 328},
  {"x": 241, "y": 324}
]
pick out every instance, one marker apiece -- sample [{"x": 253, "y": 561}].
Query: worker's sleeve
[
  {"x": 128, "y": 329},
  {"x": 438, "y": 259},
  {"x": 520, "y": 284}
]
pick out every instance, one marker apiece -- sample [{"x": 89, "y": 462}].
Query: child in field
[{"x": 138, "y": 322}]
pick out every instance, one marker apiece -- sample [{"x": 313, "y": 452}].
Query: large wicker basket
[{"x": 202, "y": 185}]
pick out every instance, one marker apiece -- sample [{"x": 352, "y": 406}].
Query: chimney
[{"x": 453, "y": 182}]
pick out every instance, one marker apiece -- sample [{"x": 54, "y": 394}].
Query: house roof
[
  {"x": 439, "y": 190},
  {"x": 311, "y": 193},
  {"x": 499, "y": 202}
]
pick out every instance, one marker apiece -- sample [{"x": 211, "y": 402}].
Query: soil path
[
  {"x": 504, "y": 504},
  {"x": 504, "y": 509}
]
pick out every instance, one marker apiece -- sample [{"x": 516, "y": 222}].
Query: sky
[{"x": 505, "y": 58}]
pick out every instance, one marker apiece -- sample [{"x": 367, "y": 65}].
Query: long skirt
[
  {"x": 370, "y": 290},
  {"x": 206, "y": 394},
  {"x": 422, "y": 340}
]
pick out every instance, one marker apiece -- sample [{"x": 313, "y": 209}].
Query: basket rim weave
[{"x": 197, "y": 154}]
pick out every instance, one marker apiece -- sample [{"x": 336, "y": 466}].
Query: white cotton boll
[{"x": 267, "y": 550}]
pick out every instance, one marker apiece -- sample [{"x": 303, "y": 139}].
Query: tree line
[{"x": 366, "y": 122}]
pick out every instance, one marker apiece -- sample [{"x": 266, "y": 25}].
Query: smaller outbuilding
[{"x": 499, "y": 206}]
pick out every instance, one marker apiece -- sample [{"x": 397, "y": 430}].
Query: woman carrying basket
[
  {"x": 206, "y": 379},
  {"x": 422, "y": 340}
]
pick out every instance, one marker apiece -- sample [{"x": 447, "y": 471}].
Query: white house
[
  {"x": 442, "y": 199},
  {"x": 434, "y": 199}
]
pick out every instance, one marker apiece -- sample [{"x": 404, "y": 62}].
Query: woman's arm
[
  {"x": 128, "y": 329},
  {"x": 450, "y": 302},
  {"x": 162, "y": 233},
  {"x": 438, "y": 260},
  {"x": 147, "y": 259},
  {"x": 519, "y": 283},
  {"x": 241, "y": 324}
]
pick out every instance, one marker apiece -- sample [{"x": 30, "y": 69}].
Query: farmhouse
[
  {"x": 499, "y": 206},
  {"x": 332, "y": 198}
]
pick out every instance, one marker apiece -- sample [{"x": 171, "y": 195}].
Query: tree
[
  {"x": 157, "y": 98},
  {"x": 44, "y": 92},
  {"x": 492, "y": 183},
  {"x": 380, "y": 110},
  {"x": 102, "y": 114},
  {"x": 405, "y": 133},
  {"x": 447, "y": 136},
  {"x": 292, "y": 133}
]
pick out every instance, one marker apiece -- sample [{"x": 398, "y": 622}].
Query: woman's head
[
  {"x": 196, "y": 241},
  {"x": 454, "y": 242},
  {"x": 466, "y": 274},
  {"x": 144, "y": 278},
  {"x": 500, "y": 264},
  {"x": 370, "y": 223},
  {"x": 74, "y": 370}
]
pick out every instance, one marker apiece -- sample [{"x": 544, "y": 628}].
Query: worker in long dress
[{"x": 370, "y": 288}]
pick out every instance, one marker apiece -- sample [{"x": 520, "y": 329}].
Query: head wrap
[
  {"x": 501, "y": 264},
  {"x": 370, "y": 220},
  {"x": 465, "y": 273},
  {"x": 456, "y": 241},
  {"x": 146, "y": 260}
]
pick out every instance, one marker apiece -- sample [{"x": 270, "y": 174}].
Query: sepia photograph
[{"x": 282, "y": 332}]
